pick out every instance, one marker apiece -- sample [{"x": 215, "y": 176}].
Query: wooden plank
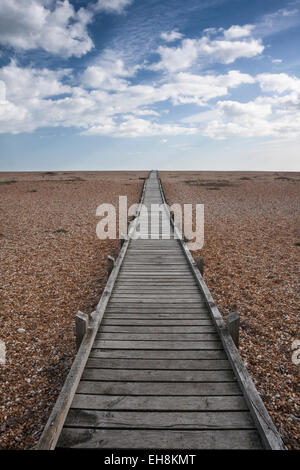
[
  {"x": 151, "y": 328},
  {"x": 158, "y": 375},
  {"x": 159, "y": 439},
  {"x": 146, "y": 316},
  {"x": 148, "y": 289},
  {"x": 157, "y": 297},
  {"x": 159, "y": 420},
  {"x": 168, "y": 389},
  {"x": 192, "y": 364},
  {"x": 158, "y": 354},
  {"x": 159, "y": 403},
  {"x": 167, "y": 322},
  {"x": 175, "y": 309},
  {"x": 157, "y": 336},
  {"x": 159, "y": 303},
  {"x": 139, "y": 284},
  {"x": 158, "y": 344}
]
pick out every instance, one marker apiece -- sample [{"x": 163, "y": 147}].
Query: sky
[{"x": 149, "y": 84}]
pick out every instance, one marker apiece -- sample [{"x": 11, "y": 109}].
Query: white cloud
[
  {"x": 135, "y": 127},
  {"x": 265, "y": 116},
  {"x": 108, "y": 72},
  {"x": 104, "y": 101},
  {"x": 280, "y": 20},
  {"x": 227, "y": 52},
  {"x": 177, "y": 58},
  {"x": 171, "y": 36},
  {"x": 10, "y": 114},
  {"x": 232, "y": 44},
  {"x": 236, "y": 31},
  {"x": 45, "y": 99},
  {"x": 29, "y": 83},
  {"x": 199, "y": 89},
  {"x": 50, "y": 25},
  {"x": 279, "y": 83},
  {"x": 112, "y": 6}
]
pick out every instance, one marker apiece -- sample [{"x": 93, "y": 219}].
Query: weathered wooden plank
[
  {"x": 168, "y": 389},
  {"x": 158, "y": 354},
  {"x": 159, "y": 403},
  {"x": 158, "y": 439},
  {"x": 157, "y": 297},
  {"x": 157, "y": 344},
  {"x": 157, "y": 336},
  {"x": 148, "y": 287},
  {"x": 176, "y": 309},
  {"x": 153, "y": 257},
  {"x": 192, "y": 364},
  {"x": 157, "y": 303},
  {"x": 167, "y": 322},
  {"x": 154, "y": 261},
  {"x": 159, "y": 420},
  {"x": 140, "y": 284},
  {"x": 159, "y": 375},
  {"x": 146, "y": 316},
  {"x": 156, "y": 329}
]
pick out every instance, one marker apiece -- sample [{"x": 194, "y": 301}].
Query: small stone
[
  {"x": 277, "y": 395},
  {"x": 28, "y": 381},
  {"x": 21, "y": 330}
]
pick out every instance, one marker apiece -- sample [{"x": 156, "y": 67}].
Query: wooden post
[
  {"x": 123, "y": 238},
  {"x": 233, "y": 324},
  {"x": 110, "y": 264},
  {"x": 81, "y": 326},
  {"x": 200, "y": 264},
  {"x": 130, "y": 219}
]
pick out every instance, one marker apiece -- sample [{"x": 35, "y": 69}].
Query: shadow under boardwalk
[{"x": 157, "y": 375}]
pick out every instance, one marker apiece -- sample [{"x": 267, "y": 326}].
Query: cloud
[
  {"x": 227, "y": 52},
  {"x": 97, "y": 104},
  {"x": 50, "y": 25},
  {"x": 105, "y": 99},
  {"x": 199, "y": 89},
  {"x": 279, "y": 83},
  {"x": 177, "y": 58},
  {"x": 264, "y": 116},
  {"x": 280, "y": 20},
  {"x": 112, "y": 6},
  {"x": 223, "y": 46},
  {"x": 171, "y": 36},
  {"x": 136, "y": 127},
  {"x": 10, "y": 114},
  {"x": 108, "y": 72},
  {"x": 237, "y": 32},
  {"x": 27, "y": 83}
]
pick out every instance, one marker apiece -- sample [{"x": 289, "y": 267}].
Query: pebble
[{"x": 21, "y": 330}]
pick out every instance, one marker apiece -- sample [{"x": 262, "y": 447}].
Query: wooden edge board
[
  {"x": 59, "y": 413},
  {"x": 268, "y": 432}
]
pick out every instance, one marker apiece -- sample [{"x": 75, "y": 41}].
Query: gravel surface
[
  {"x": 52, "y": 265},
  {"x": 251, "y": 254}
]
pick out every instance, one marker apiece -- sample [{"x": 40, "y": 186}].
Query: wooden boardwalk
[{"x": 159, "y": 369}]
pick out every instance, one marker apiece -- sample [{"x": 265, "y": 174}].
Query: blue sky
[{"x": 140, "y": 84}]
